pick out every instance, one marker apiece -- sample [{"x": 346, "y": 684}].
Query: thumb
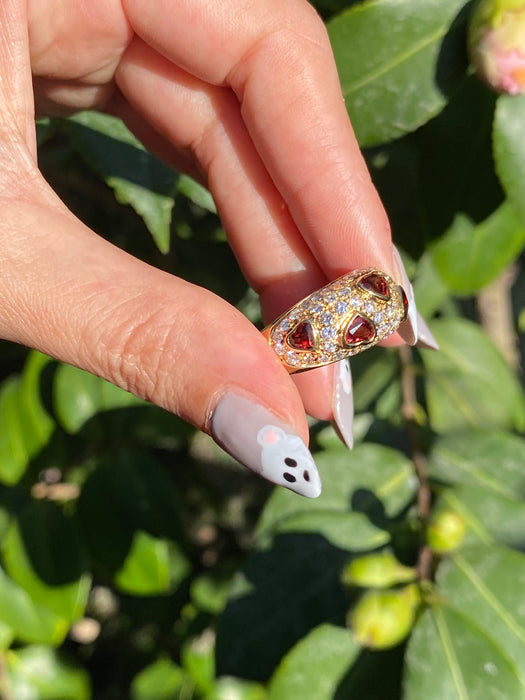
[{"x": 71, "y": 294}]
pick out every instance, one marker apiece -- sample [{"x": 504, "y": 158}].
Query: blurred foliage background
[{"x": 139, "y": 561}]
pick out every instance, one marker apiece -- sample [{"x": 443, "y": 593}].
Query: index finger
[{"x": 276, "y": 56}]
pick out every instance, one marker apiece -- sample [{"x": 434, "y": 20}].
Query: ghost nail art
[{"x": 265, "y": 444}]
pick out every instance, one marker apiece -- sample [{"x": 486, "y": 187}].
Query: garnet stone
[
  {"x": 302, "y": 337},
  {"x": 376, "y": 284},
  {"x": 360, "y": 330},
  {"x": 405, "y": 304}
]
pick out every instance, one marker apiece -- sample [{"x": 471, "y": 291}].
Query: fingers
[
  {"x": 71, "y": 294},
  {"x": 16, "y": 95},
  {"x": 279, "y": 63}
]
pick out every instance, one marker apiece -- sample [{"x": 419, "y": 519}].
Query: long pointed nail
[
  {"x": 408, "y": 330},
  {"x": 343, "y": 403},
  {"x": 262, "y": 442},
  {"x": 425, "y": 339}
]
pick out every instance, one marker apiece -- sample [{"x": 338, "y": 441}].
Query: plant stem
[
  {"x": 424, "y": 496},
  {"x": 496, "y": 315},
  {"x": 5, "y": 685}
]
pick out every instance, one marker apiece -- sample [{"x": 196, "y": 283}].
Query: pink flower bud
[{"x": 497, "y": 44}]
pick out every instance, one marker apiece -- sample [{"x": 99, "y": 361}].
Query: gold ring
[{"x": 343, "y": 318}]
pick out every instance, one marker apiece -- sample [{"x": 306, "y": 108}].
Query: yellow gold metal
[{"x": 345, "y": 317}]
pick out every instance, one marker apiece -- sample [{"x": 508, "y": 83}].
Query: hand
[{"x": 242, "y": 94}]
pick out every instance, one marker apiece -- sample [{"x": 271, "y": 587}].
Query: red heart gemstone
[
  {"x": 405, "y": 304},
  {"x": 302, "y": 337},
  {"x": 376, "y": 284},
  {"x": 360, "y": 330}
]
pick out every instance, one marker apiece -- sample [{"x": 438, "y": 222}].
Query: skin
[{"x": 243, "y": 95}]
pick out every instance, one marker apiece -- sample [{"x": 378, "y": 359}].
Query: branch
[{"x": 424, "y": 496}]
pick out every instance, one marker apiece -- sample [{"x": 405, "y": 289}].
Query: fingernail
[
  {"x": 265, "y": 444},
  {"x": 343, "y": 403},
  {"x": 408, "y": 330},
  {"x": 425, "y": 339}
]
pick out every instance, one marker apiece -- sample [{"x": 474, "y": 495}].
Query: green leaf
[
  {"x": 198, "y": 660},
  {"x": 128, "y": 510},
  {"x": 491, "y": 459},
  {"x": 30, "y": 622},
  {"x": 468, "y": 257},
  {"x": 362, "y": 490},
  {"x": 196, "y": 193},
  {"x": 137, "y": 178},
  {"x": 397, "y": 61},
  {"x": 429, "y": 289},
  {"x": 372, "y": 373},
  {"x": 43, "y": 554},
  {"x": 486, "y": 584},
  {"x": 489, "y": 516},
  {"x": 468, "y": 383},
  {"x": 79, "y": 396},
  {"x": 315, "y": 665},
  {"x": 41, "y": 673},
  {"x": 449, "y": 656},
  {"x": 25, "y": 426},
  {"x": 509, "y": 149},
  {"x": 209, "y": 591},
  {"x": 160, "y": 680},
  {"x": 281, "y": 594},
  {"x": 152, "y": 566},
  {"x": 227, "y": 688}
]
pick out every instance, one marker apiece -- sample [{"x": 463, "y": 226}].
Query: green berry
[
  {"x": 382, "y": 619},
  {"x": 445, "y": 531},
  {"x": 378, "y": 570}
]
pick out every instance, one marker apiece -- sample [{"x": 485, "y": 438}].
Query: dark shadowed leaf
[
  {"x": 129, "y": 516},
  {"x": 137, "y": 178},
  {"x": 280, "y": 594},
  {"x": 43, "y": 554}
]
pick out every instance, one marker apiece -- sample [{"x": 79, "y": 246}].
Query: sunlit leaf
[
  {"x": 468, "y": 257},
  {"x": 315, "y": 665},
  {"x": 509, "y": 149},
  {"x": 468, "y": 383},
  {"x": 41, "y": 673},
  {"x": 159, "y": 681},
  {"x": 397, "y": 61},
  {"x": 486, "y": 584},
  {"x": 449, "y": 656}
]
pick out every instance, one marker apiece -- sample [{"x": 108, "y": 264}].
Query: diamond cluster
[{"x": 345, "y": 317}]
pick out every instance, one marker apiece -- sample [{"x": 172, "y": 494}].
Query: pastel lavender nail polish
[
  {"x": 262, "y": 442},
  {"x": 343, "y": 402},
  {"x": 414, "y": 330},
  {"x": 425, "y": 339},
  {"x": 408, "y": 329}
]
